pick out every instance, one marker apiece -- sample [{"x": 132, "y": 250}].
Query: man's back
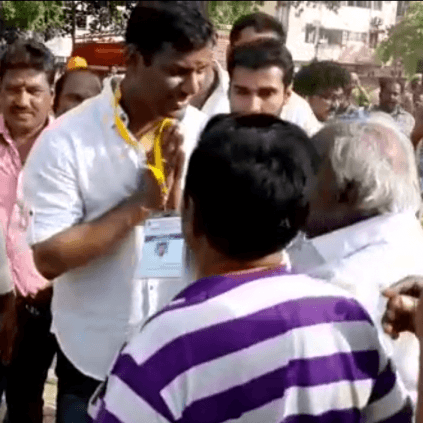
[
  {"x": 254, "y": 347},
  {"x": 365, "y": 259}
]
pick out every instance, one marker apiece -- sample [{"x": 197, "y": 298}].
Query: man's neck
[
  {"x": 25, "y": 136},
  {"x": 141, "y": 119},
  {"x": 210, "y": 262},
  {"x": 386, "y": 110},
  {"x": 336, "y": 222}
]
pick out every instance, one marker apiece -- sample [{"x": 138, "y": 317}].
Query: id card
[{"x": 162, "y": 253}]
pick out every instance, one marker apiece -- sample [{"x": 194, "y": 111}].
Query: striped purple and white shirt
[{"x": 259, "y": 347}]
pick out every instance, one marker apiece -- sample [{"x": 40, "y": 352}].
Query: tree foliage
[
  {"x": 330, "y": 5},
  {"x": 104, "y": 15},
  {"x": 52, "y": 18},
  {"x": 225, "y": 13},
  {"x": 405, "y": 40},
  {"x": 37, "y": 16}
]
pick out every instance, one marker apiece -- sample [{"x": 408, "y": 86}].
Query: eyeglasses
[{"x": 331, "y": 98}]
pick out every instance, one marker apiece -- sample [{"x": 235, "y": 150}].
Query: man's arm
[
  {"x": 80, "y": 243},
  {"x": 8, "y": 316}
]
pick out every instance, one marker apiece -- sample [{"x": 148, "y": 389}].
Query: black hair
[
  {"x": 177, "y": 22},
  {"x": 320, "y": 76},
  {"x": 260, "y": 54},
  {"x": 249, "y": 178},
  {"x": 60, "y": 84},
  {"x": 387, "y": 81},
  {"x": 261, "y": 22},
  {"x": 28, "y": 54}
]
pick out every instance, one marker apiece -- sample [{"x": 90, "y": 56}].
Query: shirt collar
[
  {"x": 397, "y": 111},
  {"x": 223, "y": 77},
  {"x": 108, "y": 103},
  {"x": 346, "y": 241}
]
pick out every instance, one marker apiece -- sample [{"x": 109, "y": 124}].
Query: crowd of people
[{"x": 299, "y": 202}]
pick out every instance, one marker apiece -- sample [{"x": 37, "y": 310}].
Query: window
[
  {"x": 364, "y": 4},
  {"x": 310, "y": 34},
  {"x": 402, "y": 7},
  {"x": 376, "y": 5},
  {"x": 331, "y": 36},
  {"x": 373, "y": 39},
  {"x": 81, "y": 20}
]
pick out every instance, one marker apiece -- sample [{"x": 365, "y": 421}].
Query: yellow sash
[{"x": 157, "y": 169}]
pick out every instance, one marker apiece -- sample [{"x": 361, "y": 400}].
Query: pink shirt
[{"x": 14, "y": 217}]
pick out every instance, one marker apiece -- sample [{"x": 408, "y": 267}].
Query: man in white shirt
[
  {"x": 261, "y": 25},
  {"x": 89, "y": 192},
  {"x": 362, "y": 229},
  {"x": 213, "y": 97}
]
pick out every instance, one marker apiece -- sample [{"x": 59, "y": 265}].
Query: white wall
[{"x": 347, "y": 18}]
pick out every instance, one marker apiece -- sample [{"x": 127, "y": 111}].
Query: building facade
[{"x": 348, "y": 35}]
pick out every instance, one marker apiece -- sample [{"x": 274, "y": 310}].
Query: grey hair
[{"x": 371, "y": 156}]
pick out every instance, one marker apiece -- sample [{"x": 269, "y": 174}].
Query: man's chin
[{"x": 177, "y": 113}]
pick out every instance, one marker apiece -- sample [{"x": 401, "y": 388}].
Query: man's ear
[
  {"x": 132, "y": 56},
  {"x": 287, "y": 95}
]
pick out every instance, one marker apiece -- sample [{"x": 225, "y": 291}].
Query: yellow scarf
[{"x": 157, "y": 169}]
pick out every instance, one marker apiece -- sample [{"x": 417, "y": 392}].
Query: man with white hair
[{"x": 362, "y": 230}]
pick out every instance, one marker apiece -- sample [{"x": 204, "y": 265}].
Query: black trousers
[
  {"x": 74, "y": 391},
  {"x": 27, "y": 373}
]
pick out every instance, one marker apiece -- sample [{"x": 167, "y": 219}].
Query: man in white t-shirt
[{"x": 89, "y": 193}]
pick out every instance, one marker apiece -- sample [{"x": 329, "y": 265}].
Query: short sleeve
[
  {"x": 50, "y": 185},
  {"x": 389, "y": 400}
]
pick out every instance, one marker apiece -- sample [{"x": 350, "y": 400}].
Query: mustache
[{"x": 20, "y": 109}]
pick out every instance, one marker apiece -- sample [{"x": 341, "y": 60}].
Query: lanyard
[{"x": 157, "y": 168}]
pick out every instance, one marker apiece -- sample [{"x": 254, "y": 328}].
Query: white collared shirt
[
  {"x": 298, "y": 111},
  {"x": 218, "y": 102},
  {"x": 366, "y": 258},
  {"x": 80, "y": 169}
]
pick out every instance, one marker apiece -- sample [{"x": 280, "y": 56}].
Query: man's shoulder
[
  {"x": 82, "y": 122},
  {"x": 298, "y": 291},
  {"x": 297, "y": 110},
  {"x": 407, "y": 115}
]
